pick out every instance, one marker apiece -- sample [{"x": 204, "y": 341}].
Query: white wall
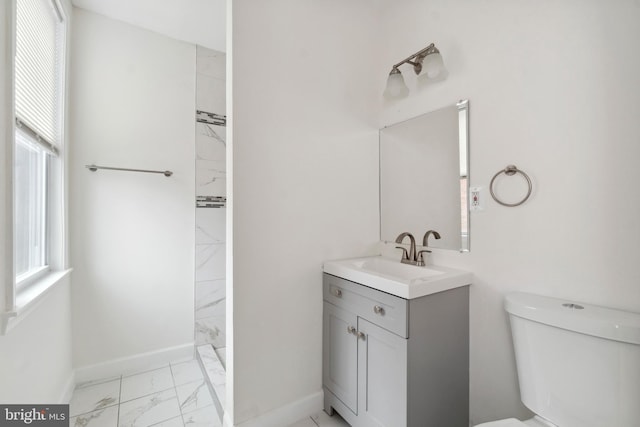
[
  {"x": 201, "y": 22},
  {"x": 553, "y": 89},
  {"x": 304, "y": 169},
  {"x": 132, "y": 234},
  {"x": 35, "y": 355}
]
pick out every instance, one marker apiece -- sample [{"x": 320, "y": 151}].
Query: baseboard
[
  {"x": 136, "y": 363},
  {"x": 288, "y": 414},
  {"x": 226, "y": 421},
  {"x": 69, "y": 386}
]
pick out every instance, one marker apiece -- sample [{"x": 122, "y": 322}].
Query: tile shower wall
[{"x": 210, "y": 182}]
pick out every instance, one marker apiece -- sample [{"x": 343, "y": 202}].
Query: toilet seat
[
  {"x": 512, "y": 422},
  {"x": 509, "y": 422}
]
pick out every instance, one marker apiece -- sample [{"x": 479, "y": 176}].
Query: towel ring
[{"x": 510, "y": 170}]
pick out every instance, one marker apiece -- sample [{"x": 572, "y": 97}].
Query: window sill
[{"x": 29, "y": 298}]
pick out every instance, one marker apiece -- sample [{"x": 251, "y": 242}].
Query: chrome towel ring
[{"x": 510, "y": 170}]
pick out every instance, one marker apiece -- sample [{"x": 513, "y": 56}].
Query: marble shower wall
[{"x": 210, "y": 181}]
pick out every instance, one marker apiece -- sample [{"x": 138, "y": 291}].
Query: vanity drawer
[{"x": 385, "y": 310}]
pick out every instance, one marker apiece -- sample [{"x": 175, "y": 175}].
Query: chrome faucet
[
  {"x": 425, "y": 243},
  {"x": 425, "y": 239},
  {"x": 407, "y": 257}
]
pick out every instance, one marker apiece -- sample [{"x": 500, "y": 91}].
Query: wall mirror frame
[{"x": 424, "y": 177}]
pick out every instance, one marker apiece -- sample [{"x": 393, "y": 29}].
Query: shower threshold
[{"x": 212, "y": 361}]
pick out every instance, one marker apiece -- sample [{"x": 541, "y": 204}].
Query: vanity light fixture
[{"x": 428, "y": 60}]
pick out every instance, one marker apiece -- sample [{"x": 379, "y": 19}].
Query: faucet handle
[
  {"x": 420, "y": 261},
  {"x": 405, "y": 254}
]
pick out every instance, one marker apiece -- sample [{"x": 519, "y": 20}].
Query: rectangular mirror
[{"x": 424, "y": 177}]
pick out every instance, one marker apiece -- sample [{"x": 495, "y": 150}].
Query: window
[
  {"x": 30, "y": 171},
  {"x": 39, "y": 70}
]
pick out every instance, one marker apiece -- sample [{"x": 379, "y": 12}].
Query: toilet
[{"x": 578, "y": 364}]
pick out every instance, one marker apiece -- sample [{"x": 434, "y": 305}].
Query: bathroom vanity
[{"x": 396, "y": 344}]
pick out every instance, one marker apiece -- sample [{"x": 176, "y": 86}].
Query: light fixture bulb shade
[
  {"x": 433, "y": 65},
  {"x": 396, "y": 87}
]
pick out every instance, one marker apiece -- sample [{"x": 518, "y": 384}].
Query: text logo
[{"x": 34, "y": 415}]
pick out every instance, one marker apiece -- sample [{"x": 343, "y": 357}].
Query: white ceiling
[{"x": 199, "y": 22}]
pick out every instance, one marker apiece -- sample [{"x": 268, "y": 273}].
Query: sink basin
[
  {"x": 395, "y": 269},
  {"x": 391, "y": 276}
]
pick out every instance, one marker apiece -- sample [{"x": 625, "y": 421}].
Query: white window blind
[{"x": 38, "y": 70}]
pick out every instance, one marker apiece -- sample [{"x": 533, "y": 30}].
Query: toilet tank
[{"x": 578, "y": 364}]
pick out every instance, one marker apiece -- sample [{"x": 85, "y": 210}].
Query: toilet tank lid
[{"x": 588, "y": 319}]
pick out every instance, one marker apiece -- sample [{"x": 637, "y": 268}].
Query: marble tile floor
[
  {"x": 322, "y": 420},
  {"x": 172, "y": 396}
]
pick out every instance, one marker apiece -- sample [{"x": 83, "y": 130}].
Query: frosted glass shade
[
  {"x": 396, "y": 87},
  {"x": 433, "y": 65}
]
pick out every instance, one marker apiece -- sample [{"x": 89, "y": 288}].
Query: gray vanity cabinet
[
  {"x": 392, "y": 362},
  {"x": 341, "y": 354},
  {"x": 382, "y": 366}
]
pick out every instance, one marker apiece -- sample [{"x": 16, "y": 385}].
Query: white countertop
[{"x": 402, "y": 280}]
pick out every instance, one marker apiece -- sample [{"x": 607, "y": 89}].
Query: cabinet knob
[
  {"x": 362, "y": 336},
  {"x": 337, "y": 292},
  {"x": 378, "y": 310},
  {"x": 351, "y": 330}
]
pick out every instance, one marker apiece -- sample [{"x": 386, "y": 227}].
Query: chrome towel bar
[{"x": 94, "y": 168}]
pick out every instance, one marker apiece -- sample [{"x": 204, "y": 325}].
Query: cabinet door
[
  {"x": 340, "y": 358},
  {"x": 382, "y": 371}
]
